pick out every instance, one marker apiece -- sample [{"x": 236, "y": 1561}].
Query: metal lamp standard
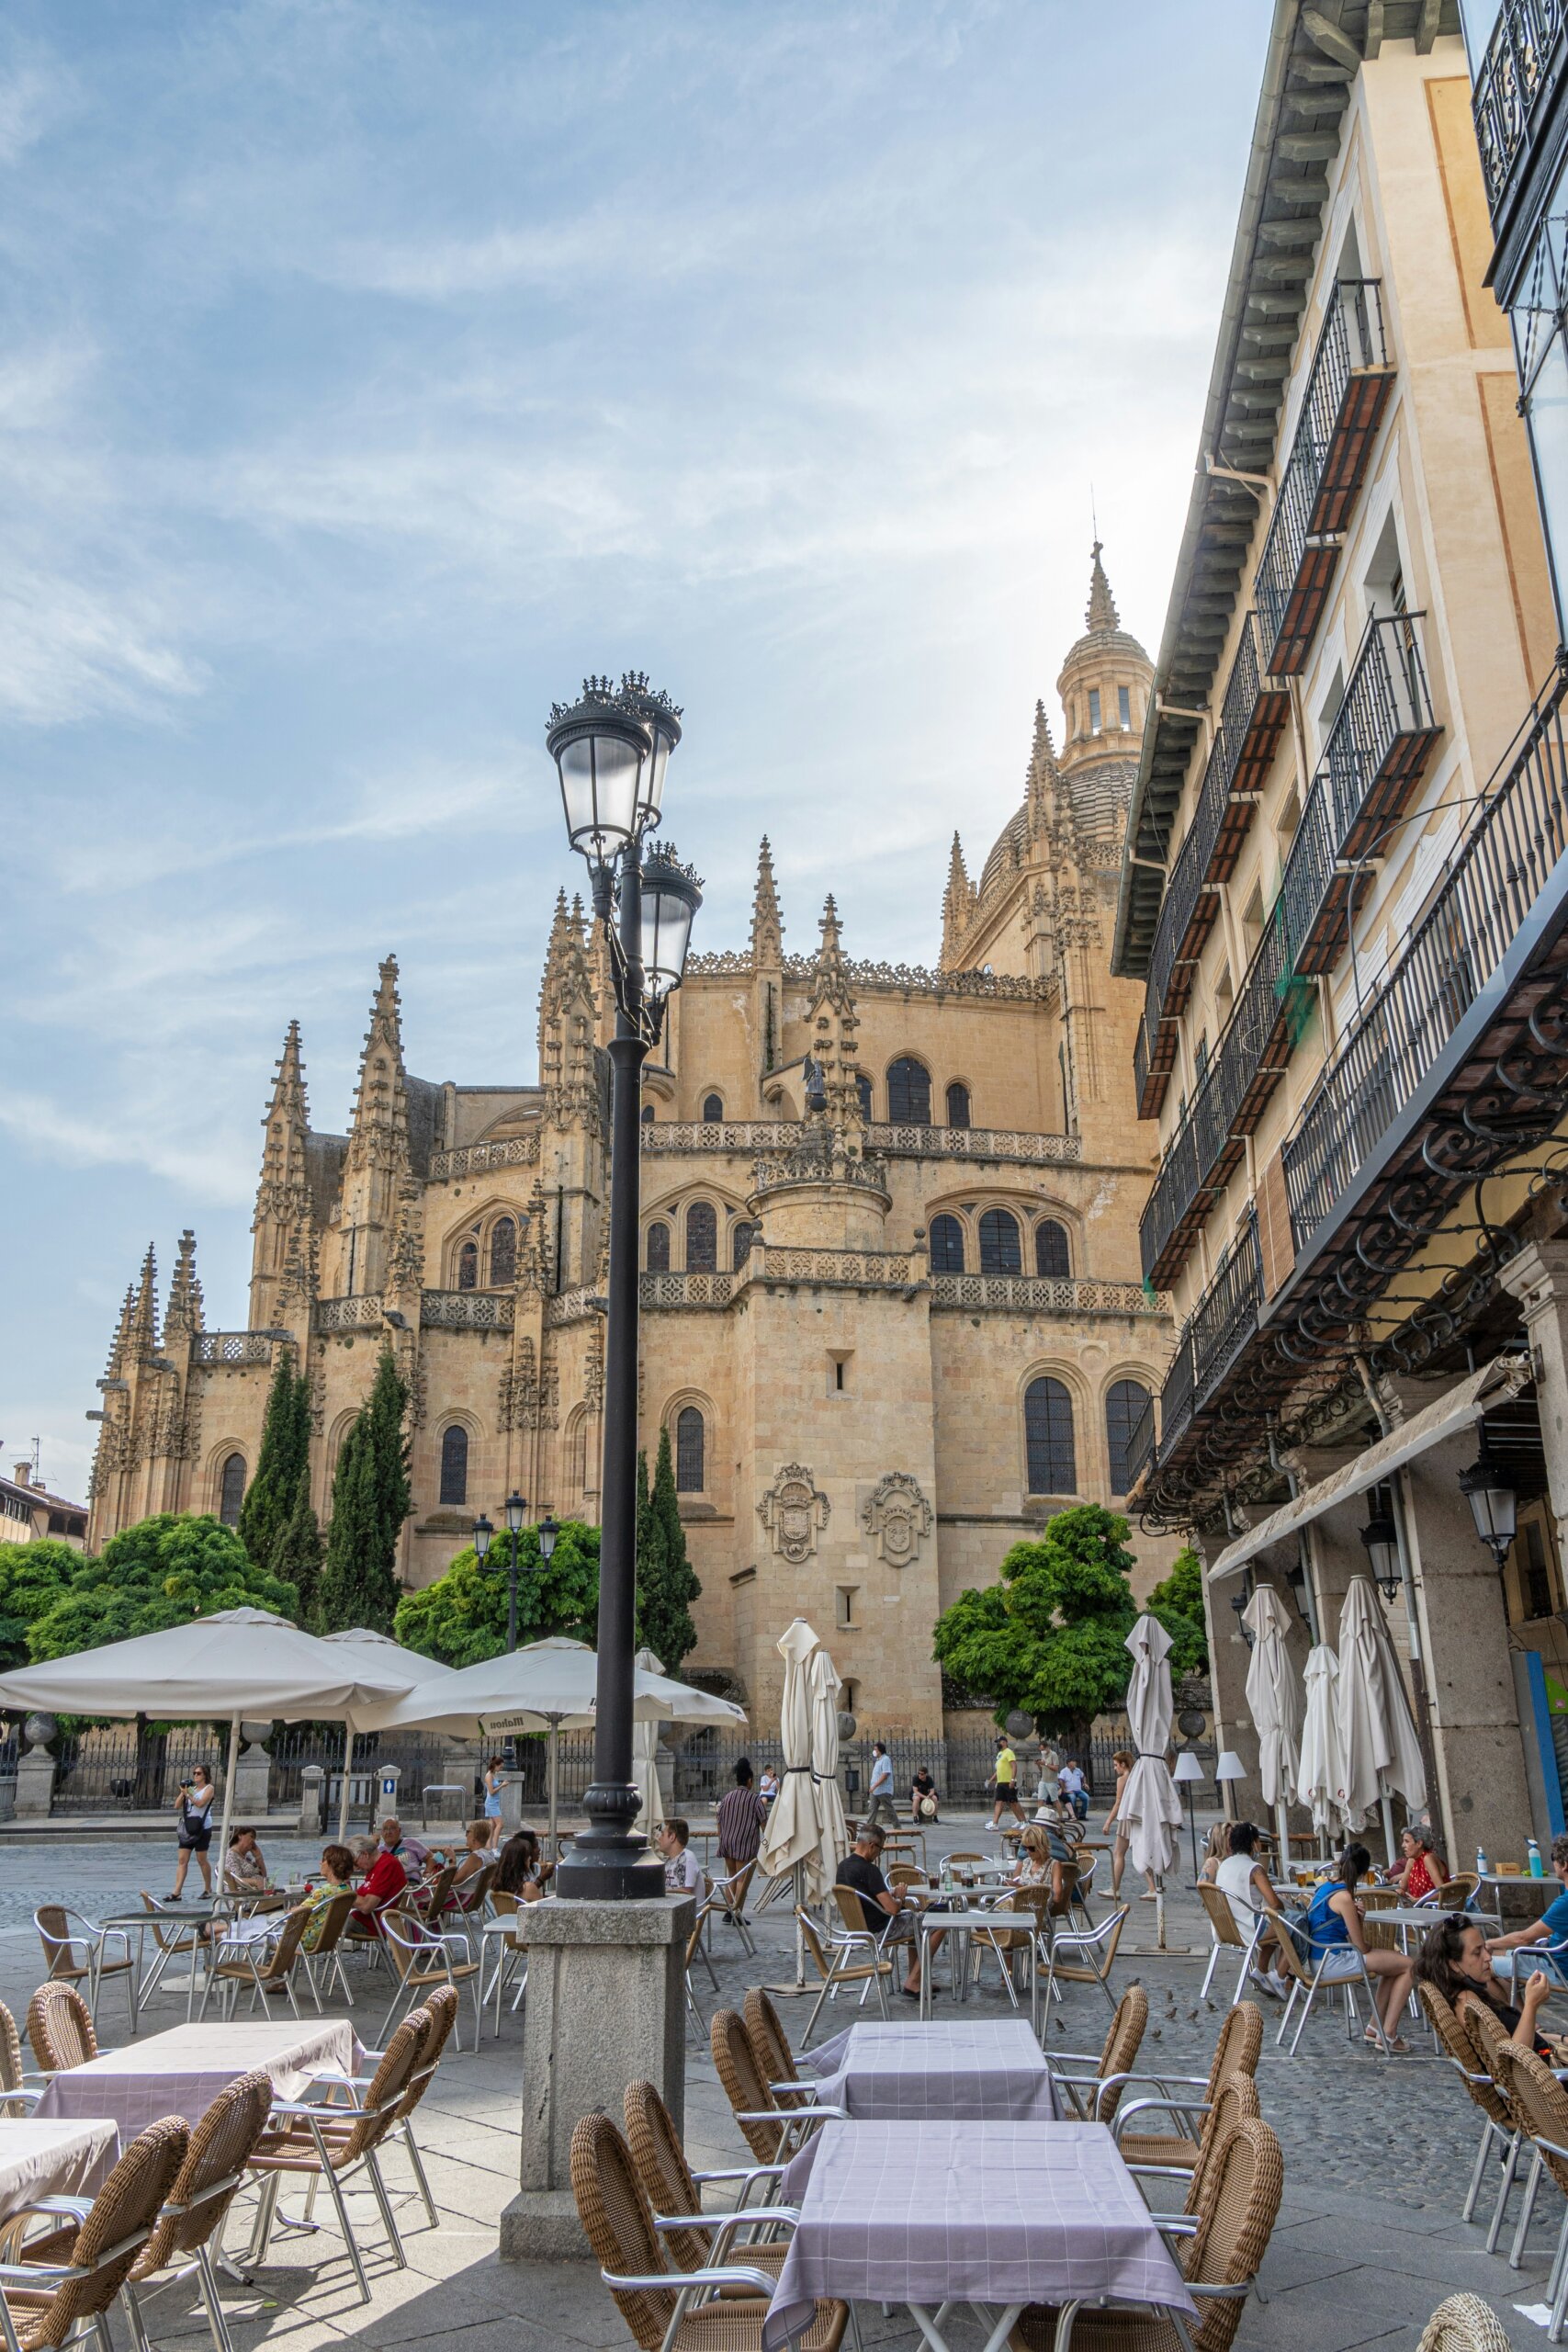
[{"x": 612, "y": 749}]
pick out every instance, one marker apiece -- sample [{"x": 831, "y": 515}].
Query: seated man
[
  {"x": 412, "y": 1851},
  {"x": 1515, "y": 1955},
  {"x": 683, "y": 1874},
  {"x": 382, "y": 1883},
  {"x": 883, "y": 1913}
]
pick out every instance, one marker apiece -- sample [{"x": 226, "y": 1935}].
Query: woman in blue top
[{"x": 1335, "y": 1937}]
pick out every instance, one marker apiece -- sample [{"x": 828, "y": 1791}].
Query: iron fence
[
  {"x": 961, "y": 1765},
  {"x": 117, "y": 1769}
]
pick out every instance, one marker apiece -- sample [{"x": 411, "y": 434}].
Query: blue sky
[{"x": 371, "y": 371}]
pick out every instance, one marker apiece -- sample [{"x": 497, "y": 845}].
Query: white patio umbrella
[
  {"x": 1321, "y": 1771},
  {"x": 645, "y": 1750},
  {"x": 376, "y": 1650},
  {"x": 1378, "y": 1749},
  {"x": 238, "y": 1663},
  {"x": 1274, "y": 1697},
  {"x": 1151, "y": 1810},
  {"x": 792, "y": 1838},
  {"x": 823, "y": 1685}
]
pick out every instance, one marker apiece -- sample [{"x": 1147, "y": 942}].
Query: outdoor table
[
  {"x": 53, "y": 2159},
  {"x": 961, "y": 1926},
  {"x": 943, "y": 2214},
  {"x": 980, "y": 2070},
  {"x": 181, "y": 2072}
]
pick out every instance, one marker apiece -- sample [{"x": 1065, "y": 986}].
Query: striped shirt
[{"x": 740, "y": 1818}]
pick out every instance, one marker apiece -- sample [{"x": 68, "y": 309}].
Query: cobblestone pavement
[{"x": 1377, "y": 2152}]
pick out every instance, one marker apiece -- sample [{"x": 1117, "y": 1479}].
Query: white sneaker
[
  {"x": 1279, "y": 1985},
  {"x": 1263, "y": 1983}
]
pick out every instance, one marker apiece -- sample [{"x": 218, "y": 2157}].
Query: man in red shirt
[{"x": 382, "y": 1883}]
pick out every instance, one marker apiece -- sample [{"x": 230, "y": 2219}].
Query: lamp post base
[{"x": 610, "y": 1862}]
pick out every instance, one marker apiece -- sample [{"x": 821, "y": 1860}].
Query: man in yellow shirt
[{"x": 1004, "y": 1771}]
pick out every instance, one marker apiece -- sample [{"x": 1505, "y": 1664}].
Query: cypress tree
[
  {"x": 671, "y": 1584},
  {"x": 649, "y": 1561},
  {"x": 282, "y": 1461},
  {"x": 297, "y": 1555},
  {"x": 371, "y": 1498}
]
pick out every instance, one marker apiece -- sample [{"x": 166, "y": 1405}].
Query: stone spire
[
  {"x": 184, "y": 1316},
  {"x": 568, "y": 1019},
  {"x": 767, "y": 922},
  {"x": 834, "y": 1025},
  {"x": 283, "y": 1224},
  {"x": 958, "y": 903},
  {"x": 378, "y": 1136},
  {"x": 1102, "y": 611},
  {"x": 119, "y": 1346},
  {"x": 141, "y": 1334}
]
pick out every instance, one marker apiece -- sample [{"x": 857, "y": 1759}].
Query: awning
[{"x": 1477, "y": 1394}]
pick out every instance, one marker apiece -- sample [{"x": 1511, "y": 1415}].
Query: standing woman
[
  {"x": 194, "y": 1806},
  {"x": 1123, "y": 1762},
  {"x": 495, "y": 1780}
]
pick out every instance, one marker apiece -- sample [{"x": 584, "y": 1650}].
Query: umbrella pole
[
  {"x": 343, "y": 1795},
  {"x": 1387, "y": 1825},
  {"x": 555, "y": 1787},
  {"x": 1159, "y": 1911},
  {"x": 1283, "y": 1829},
  {"x": 799, "y": 1939},
  {"x": 1193, "y": 1826},
  {"x": 229, "y": 1770}
]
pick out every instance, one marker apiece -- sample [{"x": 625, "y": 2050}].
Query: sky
[{"x": 371, "y": 371}]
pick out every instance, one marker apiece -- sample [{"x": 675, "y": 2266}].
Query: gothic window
[
  {"x": 658, "y": 1248},
  {"x": 1052, "y": 1255},
  {"x": 1000, "y": 1250},
  {"x": 690, "y": 1445},
  {"x": 232, "y": 1490},
  {"x": 909, "y": 1093},
  {"x": 577, "y": 1455},
  {"x": 647, "y": 1115},
  {"x": 713, "y": 1106},
  {"x": 1094, "y": 710},
  {"x": 742, "y": 1240},
  {"x": 1048, "y": 1438},
  {"x": 946, "y": 1246},
  {"x": 1124, "y": 705},
  {"x": 702, "y": 1238},
  {"x": 502, "y": 1254},
  {"x": 957, "y": 1104},
  {"x": 455, "y": 1463},
  {"x": 1125, "y": 1404},
  {"x": 469, "y": 1266},
  {"x": 863, "y": 1088}
]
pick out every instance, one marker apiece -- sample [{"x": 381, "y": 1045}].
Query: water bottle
[
  {"x": 1532, "y": 1859},
  {"x": 1482, "y": 1864}
]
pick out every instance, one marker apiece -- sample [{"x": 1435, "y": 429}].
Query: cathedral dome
[{"x": 1006, "y": 851}]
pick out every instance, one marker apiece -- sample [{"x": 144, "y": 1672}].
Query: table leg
[{"x": 931, "y": 2324}]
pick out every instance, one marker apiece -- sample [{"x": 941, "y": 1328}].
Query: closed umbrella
[
  {"x": 1274, "y": 1699},
  {"x": 645, "y": 1750},
  {"x": 378, "y": 1650},
  {"x": 1378, "y": 1749},
  {"x": 1320, "y": 1773},
  {"x": 793, "y": 1839},
  {"x": 1151, "y": 1810},
  {"x": 823, "y": 1687}
]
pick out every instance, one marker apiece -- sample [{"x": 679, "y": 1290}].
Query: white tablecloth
[
  {"x": 990, "y": 2071},
  {"x": 53, "y": 2159},
  {"x": 182, "y": 2072}
]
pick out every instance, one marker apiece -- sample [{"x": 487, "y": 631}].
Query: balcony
[
  {"x": 1523, "y": 61},
  {"x": 1154, "y": 1057},
  {"x": 1346, "y": 392},
  {"x": 1140, "y": 1451},
  {"x": 1252, "y": 719},
  {"x": 1518, "y": 836},
  {"x": 1218, "y": 1328},
  {"x": 1190, "y": 904},
  {"x": 1375, "y": 757}
]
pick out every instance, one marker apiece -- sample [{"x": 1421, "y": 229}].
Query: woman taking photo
[
  {"x": 193, "y": 1805},
  {"x": 495, "y": 1780},
  {"x": 1335, "y": 1933}
]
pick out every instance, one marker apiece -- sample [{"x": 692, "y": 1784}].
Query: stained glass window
[
  {"x": 469, "y": 1266},
  {"x": 909, "y": 1093},
  {"x": 502, "y": 1254},
  {"x": 1001, "y": 1252},
  {"x": 946, "y": 1246},
  {"x": 1125, "y": 1404},
  {"x": 702, "y": 1238},
  {"x": 455, "y": 1463},
  {"x": 713, "y": 1107},
  {"x": 1052, "y": 1255},
  {"x": 658, "y": 1249},
  {"x": 957, "y": 1104},
  {"x": 232, "y": 1490},
  {"x": 1048, "y": 1438},
  {"x": 690, "y": 1444}
]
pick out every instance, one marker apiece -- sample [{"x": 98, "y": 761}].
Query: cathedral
[{"x": 892, "y": 1317}]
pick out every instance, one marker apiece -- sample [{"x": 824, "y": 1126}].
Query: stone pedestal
[
  {"x": 511, "y": 1805},
  {"x": 35, "y": 1784},
  {"x": 313, "y": 1800},
  {"x": 386, "y": 1779},
  {"x": 607, "y": 2005},
  {"x": 253, "y": 1772}
]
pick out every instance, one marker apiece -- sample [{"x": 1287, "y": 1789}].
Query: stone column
[
  {"x": 35, "y": 1770},
  {"x": 253, "y": 1775},
  {"x": 1538, "y": 1278},
  {"x": 386, "y": 1779},
  {"x": 606, "y": 2006},
  {"x": 511, "y": 1805},
  {"x": 312, "y": 1782}
]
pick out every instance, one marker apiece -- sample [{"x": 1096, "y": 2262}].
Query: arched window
[
  {"x": 702, "y": 1238},
  {"x": 1048, "y": 1438},
  {"x": 502, "y": 1254},
  {"x": 946, "y": 1246},
  {"x": 232, "y": 1490},
  {"x": 690, "y": 1446},
  {"x": 863, "y": 1088},
  {"x": 469, "y": 1266},
  {"x": 1126, "y": 1402},
  {"x": 1052, "y": 1255},
  {"x": 577, "y": 1455},
  {"x": 647, "y": 1115},
  {"x": 1001, "y": 1252},
  {"x": 740, "y": 1243},
  {"x": 455, "y": 1463},
  {"x": 909, "y": 1093},
  {"x": 713, "y": 1106},
  {"x": 658, "y": 1248},
  {"x": 958, "y": 1104}
]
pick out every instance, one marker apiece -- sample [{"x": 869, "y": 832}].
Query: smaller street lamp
[
  {"x": 548, "y": 1531},
  {"x": 1188, "y": 1770},
  {"x": 1382, "y": 1539},
  {"x": 483, "y": 1530},
  {"x": 1493, "y": 1503}
]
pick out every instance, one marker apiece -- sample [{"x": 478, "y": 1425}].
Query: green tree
[
  {"x": 161, "y": 1572},
  {"x": 1177, "y": 1601},
  {"x": 33, "y": 1578},
  {"x": 297, "y": 1554},
  {"x": 461, "y": 1618},
  {"x": 1051, "y": 1636},
  {"x": 282, "y": 1462},
  {"x": 371, "y": 1498},
  {"x": 666, "y": 1582}
]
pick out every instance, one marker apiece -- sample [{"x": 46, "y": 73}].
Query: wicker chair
[
  {"x": 1464, "y": 2323},
  {"x": 440, "y": 2012},
  {"x": 19, "y": 2093},
  {"x": 264, "y": 1967},
  {"x": 1455, "y": 1895},
  {"x": 772, "y": 2045},
  {"x": 1220, "y": 2261},
  {"x": 329, "y": 2144},
  {"x": 1541, "y": 2108},
  {"x": 1237, "y": 2050},
  {"x": 66, "y": 2281},
  {"x": 60, "y": 2027},
  {"x": 1095, "y": 1948},
  {"x": 668, "y": 2309},
  {"x": 1236, "y": 2103},
  {"x": 204, "y": 2188},
  {"x": 322, "y": 1961},
  {"x": 76, "y": 1951},
  {"x": 771, "y": 2131},
  {"x": 675, "y": 2191},
  {"x": 1111, "y": 2063},
  {"x": 1499, "y": 2130},
  {"x": 841, "y": 1962},
  {"x": 470, "y": 1899}
]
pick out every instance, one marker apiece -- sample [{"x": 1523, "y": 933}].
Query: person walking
[
  {"x": 882, "y": 1805},
  {"x": 1004, "y": 1779},
  {"x": 194, "y": 1806},
  {"x": 1123, "y": 1760},
  {"x": 495, "y": 1780},
  {"x": 741, "y": 1814}
]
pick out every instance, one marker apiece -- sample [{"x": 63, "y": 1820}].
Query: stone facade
[{"x": 844, "y": 1377}]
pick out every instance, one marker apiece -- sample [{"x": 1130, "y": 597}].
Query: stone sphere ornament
[
  {"x": 39, "y": 1730},
  {"x": 1020, "y": 1725},
  {"x": 846, "y": 1723}
]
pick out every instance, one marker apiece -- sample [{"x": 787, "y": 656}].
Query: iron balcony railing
[
  {"x": 1524, "y": 59},
  {"x": 1514, "y": 842},
  {"x": 1140, "y": 1447},
  {"x": 1223, "y": 1319},
  {"x": 1188, "y": 914},
  {"x": 1341, "y": 409},
  {"x": 1252, "y": 718}
]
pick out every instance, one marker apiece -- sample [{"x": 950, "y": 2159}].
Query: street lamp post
[
  {"x": 611, "y": 750},
  {"x": 515, "y": 1511}
]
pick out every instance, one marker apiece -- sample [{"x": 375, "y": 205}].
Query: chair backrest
[
  {"x": 439, "y": 2010},
  {"x": 168, "y": 1936},
  {"x": 125, "y": 2207},
  {"x": 407, "y": 1940},
  {"x": 1540, "y": 2104},
  {"x": 1237, "y": 2101},
  {"x": 1488, "y": 2038},
  {"x": 1245, "y": 2182},
  {"x": 1071, "y": 1880},
  {"x": 334, "y": 1917},
  {"x": 473, "y": 1896},
  {"x": 1452, "y": 1895},
  {"x": 55, "y": 1933},
  {"x": 1221, "y": 1918},
  {"x": 1464, "y": 2323},
  {"x": 745, "y": 2085},
  {"x": 286, "y": 1949},
  {"x": 1237, "y": 2047},
  {"x": 970, "y": 1858},
  {"x": 618, "y": 2223},
  {"x": 1122, "y": 2044},
  {"x": 900, "y": 1874},
  {"x": 10, "y": 2055},
  {"x": 59, "y": 2028},
  {"x": 209, "y": 2179},
  {"x": 1287, "y": 1960},
  {"x": 851, "y": 1911},
  {"x": 1454, "y": 2041},
  {"x": 769, "y": 2039},
  {"x": 384, "y": 2098},
  {"x": 811, "y": 1939},
  {"x": 663, "y": 2169}
]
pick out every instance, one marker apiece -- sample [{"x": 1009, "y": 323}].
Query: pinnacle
[
  {"x": 956, "y": 869},
  {"x": 288, "y": 1085},
  {"x": 1101, "y": 613},
  {"x": 767, "y": 922}
]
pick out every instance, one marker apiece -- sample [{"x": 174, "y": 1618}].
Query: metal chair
[
  {"x": 1227, "y": 1937},
  {"x": 845, "y": 1959},
  {"x": 1095, "y": 1949},
  {"x": 1541, "y": 2108},
  {"x": 772, "y": 2132},
  {"x": 1327, "y": 1974},
  {"x": 198, "y": 2200},
  {"x": 511, "y": 1956},
  {"x": 66, "y": 2280},
  {"x": 1094, "y": 2098},
  {"x": 675, "y": 2192},
  {"x": 264, "y": 1966},
  {"x": 78, "y": 1950},
  {"x": 423, "y": 1958},
  {"x": 325, "y": 1957},
  {"x": 729, "y": 1897},
  {"x": 1237, "y": 2050}
]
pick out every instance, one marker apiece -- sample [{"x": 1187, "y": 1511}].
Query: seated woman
[
  {"x": 1244, "y": 1882},
  {"x": 521, "y": 1872},
  {"x": 1216, "y": 1847},
  {"x": 1041, "y": 1854},
  {"x": 476, "y": 1855},
  {"x": 1335, "y": 1933},
  {"x": 337, "y": 1877},
  {"x": 922, "y": 1795},
  {"x": 244, "y": 1865},
  {"x": 1455, "y": 1962},
  {"x": 1421, "y": 1871}
]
